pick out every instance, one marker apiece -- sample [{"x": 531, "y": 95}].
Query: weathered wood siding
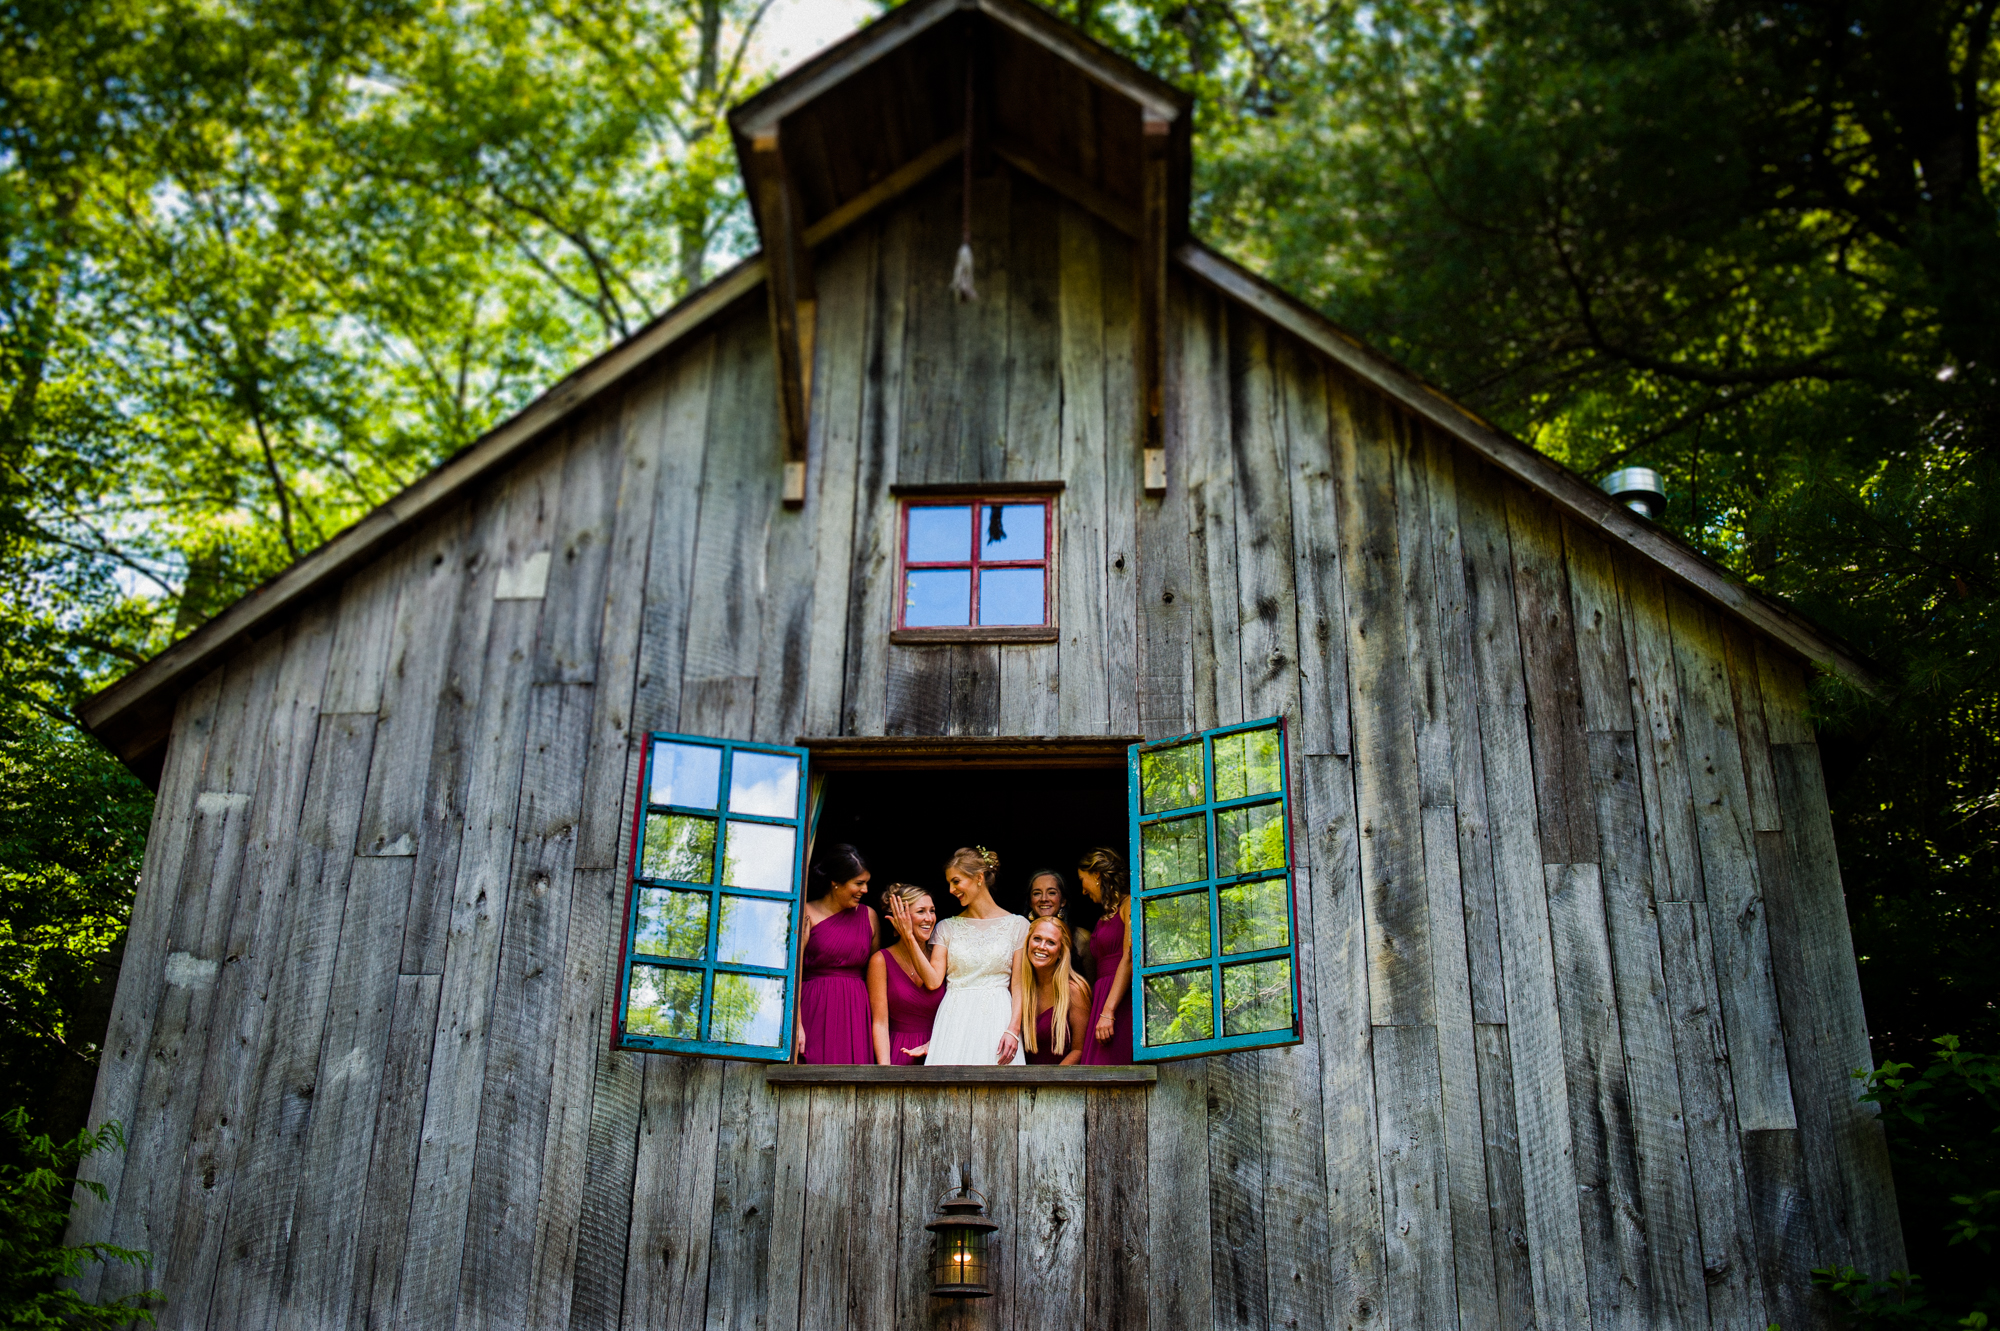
[{"x": 1579, "y": 996}]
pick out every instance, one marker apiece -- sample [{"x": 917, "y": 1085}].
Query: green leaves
[{"x": 34, "y": 1208}]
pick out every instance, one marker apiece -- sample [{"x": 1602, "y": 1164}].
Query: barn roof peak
[{"x": 935, "y": 84}]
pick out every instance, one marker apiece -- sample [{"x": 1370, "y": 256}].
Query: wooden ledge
[
  {"x": 994, "y": 633},
  {"x": 789, "y": 1074},
  {"x": 843, "y": 753}
]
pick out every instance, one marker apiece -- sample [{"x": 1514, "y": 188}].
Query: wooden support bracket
[
  {"x": 789, "y": 282},
  {"x": 1156, "y": 138}
]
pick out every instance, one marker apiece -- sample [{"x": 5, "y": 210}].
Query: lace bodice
[{"x": 982, "y": 951}]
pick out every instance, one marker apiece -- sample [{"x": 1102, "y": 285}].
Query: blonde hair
[
  {"x": 907, "y": 893},
  {"x": 976, "y": 859},
  {"x": 1065, "y": 978}
]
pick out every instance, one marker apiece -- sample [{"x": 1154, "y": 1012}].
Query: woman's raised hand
[{"x": 899, "y": 915}]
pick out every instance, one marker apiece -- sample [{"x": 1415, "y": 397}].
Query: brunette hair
[
  {"x": 1062, "y": 886},
  {"x": 1109, "y": 867},
  {"x": 842, "y": 863},
  {"x": 1065, "y": 978},
  {"x": 976, "y": 859}
]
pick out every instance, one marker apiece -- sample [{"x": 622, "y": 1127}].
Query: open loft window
[
  {"x": 976, "y": 567},
  {"x": 723, "y": 830},
  {"x": 1215, "y": 951}
]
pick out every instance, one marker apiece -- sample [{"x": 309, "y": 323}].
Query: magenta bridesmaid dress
[
  {"x": 1107, "y": 946},
  {"x": 833, "y": 1000},
  {"x": 912, "y": 1008},
  {"x": 1045, "y": 1039}
]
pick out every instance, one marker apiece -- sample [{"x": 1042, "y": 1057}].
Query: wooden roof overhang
[
  {"x": 875, "y": 115},
  {"x": 1086, "y": 94}
]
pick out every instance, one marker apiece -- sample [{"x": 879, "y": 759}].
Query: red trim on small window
[{"x": 973, "y": 564}]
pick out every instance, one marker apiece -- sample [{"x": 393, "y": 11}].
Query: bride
[{"x": 979, "y": 1020}]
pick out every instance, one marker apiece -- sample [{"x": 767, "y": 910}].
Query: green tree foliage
[{"x": 35, "y": 1198}]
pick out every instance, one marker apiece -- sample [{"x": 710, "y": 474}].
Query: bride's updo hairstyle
[
  {"x": 1109, "y": 867},
  {"x": 842, "y": 863},
  {"x": 976, "y": 860}
]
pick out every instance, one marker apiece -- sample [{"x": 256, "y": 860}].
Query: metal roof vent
[{"x": 1639, "y": 489}]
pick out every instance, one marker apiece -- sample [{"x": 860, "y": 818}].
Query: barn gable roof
[{"x": 1054, "y": 105}]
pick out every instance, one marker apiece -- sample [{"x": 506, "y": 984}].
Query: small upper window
[{"x": 973, "y": 565}]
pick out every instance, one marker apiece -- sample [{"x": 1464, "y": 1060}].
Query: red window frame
[{"x": 973, "y": 563}]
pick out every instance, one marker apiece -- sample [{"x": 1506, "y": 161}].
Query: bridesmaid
[
  {"x": 1056, "y": 999},
  {"x": 1109, "y": 1040},
  {"x": 904, "y": 985},
  {"x": 1048, "y": 897},
  {"x": 834, "y": 947}
]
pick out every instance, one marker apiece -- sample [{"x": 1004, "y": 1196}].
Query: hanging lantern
[{"x": 958, "y": 1268}]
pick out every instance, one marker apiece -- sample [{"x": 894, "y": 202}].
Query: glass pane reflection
[
  {"x": 1176, "y": 928},
  {"x": 1012, "y": 531},
  {"x": 1248, "y": 763},
  {"x": 747, "y": 1009},
  {"x": 1179, "y": 1008},
  {"x": 758, "y": 856},
  {"x": 754, "y": 931},
  {"x": 938, "y": 598},
  {"x": 672, "y": 924},
  {"x": 1011, "y": 596},
  {"x": 679, "y": 846},
  {"x": 666, "y": 1002},
  {"x": 686, "y": 774},
  {"x": 764, "y": 783},
  {"x": 1249, "y": 840},
  {"x": 940, "y": 535},
  {"x": 1257, "y": 996},
  {"x": 1174, "y": 851},
  {"x": 1255, "y": 916},
  {"x": 1170, "y": 778}
]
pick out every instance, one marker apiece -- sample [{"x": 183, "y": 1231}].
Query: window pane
[
  {"x": 1012, "y": 531},
  {"x": 1170, "y": 778},
  {"x": 686, "y": 774},
  {"x": 758, "y": 856},
  {"x": 1255, "y": 916},
  {"x": 1248, "y": 763},
  {"x": 679, "y": 846},
  {"x": 940, "y": 535},
  {"x": 1249, "y": 840},
  {"x": 665, "y": 1002},
  {"x": 1175, "y": 851},
  {"x": 672, "y": 924},
  {"x": 747, "y": 1009},
  {"x": 1011, "y": 596},
  {"x": 754, "y": 932},
  {"x": 764, "y": 783},
  {"x": 1257, "y": 996},
  {"x": 938, "y": 598},
  {"x": 1176, "y": 928},
  {"x": 1179, "y": 1007}
]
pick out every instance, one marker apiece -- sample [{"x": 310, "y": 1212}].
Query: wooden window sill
[
  {"x": 796, "y": 1074},
  {"x": 945, "y": 637}
]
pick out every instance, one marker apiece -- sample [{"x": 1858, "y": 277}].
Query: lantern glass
[{"x": 961, "y": 1260}]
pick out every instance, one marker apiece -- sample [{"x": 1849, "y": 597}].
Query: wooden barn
[{"x": 1493, "y": 969}]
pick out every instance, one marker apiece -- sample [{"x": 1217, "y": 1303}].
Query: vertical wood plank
[
  {"x": 1165, "y": 644},
  {"x": 1311, "y": 451},
  {"x": 1600, "y": 633},
  {"x": 1265, "y": 591},
  {"x": 1178, "y": 1245},
  {"x": 1782, "y": 681},
  {"x": 1723, "y": 830},
  {"x": 1555, "y": 687},
  {"x": 1645, "y": 1021},
  {"x": 936, "y": 1122},
  {"x": 1513, "y": 1272},
  {"x": 1236, "y": 1190},
  {"x": 1116, "y": 1270},
  {"x": 1416, "y": 1210},
  {"x": 1607, "y": 1172},
  {"x": 1032, "y": 437},
  {"x": 1211, "y": 515},
  {"x": 1745, "y": 687},
  {"x": 874, "y": 1208},
  {"x": 824, "y": 1273},
  {"x": 992, "y": 1151},
  {"x": 1826, "y": 1032},
  {"x": 729, "y": 589},
  {"x": 392, "y": 1168},
  {"x": 1084, "y": 705},
  {"x": 677, "y": 415},
  {"x": 1051, "y": 1271},
  {"x": 580, "y": 552},
  {"x": 668, "y": 1268},
  {"x": 746, "y": 1165},
  {"x": 1715, "y": 1160},
  {"x": 322, "y": 1265},
  {"x": 363, "y": 625},
  {"x": 1123, "y": 435},
  {"x": 1662, "y": 735},
  {"x": 1534, "y": 1034},
  {"x": 1782, "y": 1210},
  {"x": 833, "y": 446}
]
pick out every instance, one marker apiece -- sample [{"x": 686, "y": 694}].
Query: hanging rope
[{"x": 961, "y": 273}]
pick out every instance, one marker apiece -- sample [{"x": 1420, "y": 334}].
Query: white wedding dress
[{"x": 977, "y": 1003}]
